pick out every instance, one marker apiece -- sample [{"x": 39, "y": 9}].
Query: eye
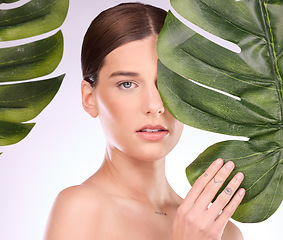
[{"x": 126, "y": 85}]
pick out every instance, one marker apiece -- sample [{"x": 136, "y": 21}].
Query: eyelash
[{"x": 122, "y": 85}]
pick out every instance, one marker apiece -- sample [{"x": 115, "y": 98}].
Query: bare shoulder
[
  {"x": 75, "y": 211},
  {"x": 232, "y": 232}
]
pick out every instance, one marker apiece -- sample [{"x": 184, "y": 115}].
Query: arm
[{"x": 195, "y": 219}]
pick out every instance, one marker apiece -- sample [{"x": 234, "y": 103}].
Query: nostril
[{"x": 161, "y": 110}]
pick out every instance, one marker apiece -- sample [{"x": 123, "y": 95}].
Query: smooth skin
[{"x": 129, "y": 196}]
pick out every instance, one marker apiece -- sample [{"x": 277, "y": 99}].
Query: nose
[{"x": 153, "y": 102}]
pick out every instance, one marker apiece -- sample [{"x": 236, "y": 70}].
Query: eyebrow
[{"x": 125, "y": 74}]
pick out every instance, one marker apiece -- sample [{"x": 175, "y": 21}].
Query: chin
[{"x": 151, "y": 153}]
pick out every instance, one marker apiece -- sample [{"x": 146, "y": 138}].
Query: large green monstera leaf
[
  {"x": 21, "y": 96},
  {"x": 207, "y": 86}
]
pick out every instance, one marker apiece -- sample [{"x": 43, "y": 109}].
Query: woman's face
[{"x": 134, "y": 119}]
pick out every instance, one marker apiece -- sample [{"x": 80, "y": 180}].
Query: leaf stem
[{"x": 271, "y": 48}]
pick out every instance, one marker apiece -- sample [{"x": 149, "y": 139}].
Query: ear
[{"x": 88, "y": 99}]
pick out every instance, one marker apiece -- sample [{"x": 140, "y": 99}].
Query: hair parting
[{"x": 113, "y": 28}]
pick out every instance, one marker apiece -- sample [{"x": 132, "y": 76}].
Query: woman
[{"x": 129, "y": 196}]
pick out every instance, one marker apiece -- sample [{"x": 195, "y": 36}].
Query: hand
[{"x": 196, "y": 219}]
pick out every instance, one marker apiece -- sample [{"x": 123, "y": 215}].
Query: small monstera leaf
[
  {"x": 22, "y": 97},
  {"x": 207, "y": 86}
]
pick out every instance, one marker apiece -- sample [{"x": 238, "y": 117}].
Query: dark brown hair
[{"x": 114, "y": 27}]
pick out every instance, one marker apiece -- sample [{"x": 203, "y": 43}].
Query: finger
[
  {"x": 214, "y": 185},
  {"x": 201, "y": 182},
  {"x": 230, "y": 208},
  {"x": 224, "y": 198}
]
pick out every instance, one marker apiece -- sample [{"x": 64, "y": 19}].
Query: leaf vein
[
  {"x": 248, "y": 189},
  {"x": 30, "y": 14},
  {"x": 33, "y": 57},
  {"x": 226, "y": 72},
  {"x": 237, "y": 25}
]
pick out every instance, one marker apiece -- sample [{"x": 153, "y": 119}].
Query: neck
[{"x": 143, "y": 181}]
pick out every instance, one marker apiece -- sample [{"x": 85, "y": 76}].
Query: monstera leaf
[
  {"x": 21, "y": 97},
  {"x": 8, "y": 1},
  {"x": 207, "y": 86}
]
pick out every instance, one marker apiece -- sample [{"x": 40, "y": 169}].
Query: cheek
[
  {"x": 177, "y": 128},
  {"x": 116, "y": 115}
]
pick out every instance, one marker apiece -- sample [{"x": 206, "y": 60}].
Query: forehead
[{"x": 136, "y": 53}]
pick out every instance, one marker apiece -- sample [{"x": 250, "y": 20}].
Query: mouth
[
  {"x": 153, "y": 132},
  {"x": 153, "y": 128}
]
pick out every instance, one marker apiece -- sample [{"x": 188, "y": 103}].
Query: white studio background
[{"x": 66, "y": 146}]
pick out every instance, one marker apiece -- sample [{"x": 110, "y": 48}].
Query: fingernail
[
  {"x": 229, "y": 165},
  {"x": 239, "y": 176},
  {"x": 218, "y": 162},
  {"x": 241, "y": 192}
]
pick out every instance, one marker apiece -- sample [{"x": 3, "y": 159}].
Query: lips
[{"x": 153, "y": 132}]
